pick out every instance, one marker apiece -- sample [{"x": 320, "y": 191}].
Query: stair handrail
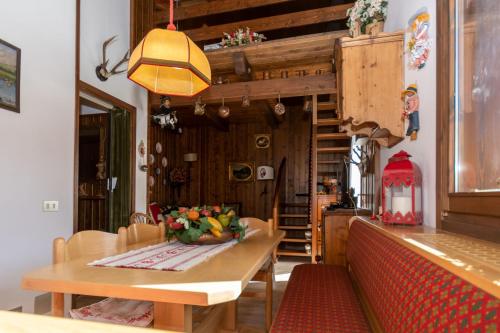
[{"x": 277, "y": 192}]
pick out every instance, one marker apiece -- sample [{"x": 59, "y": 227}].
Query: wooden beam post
[{"x": 241, "y": 66}]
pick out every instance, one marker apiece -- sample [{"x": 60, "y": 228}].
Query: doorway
[{"x": 104, "y": 161}]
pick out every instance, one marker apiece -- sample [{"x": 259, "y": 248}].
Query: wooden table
[{"x": 219, "y": 281}]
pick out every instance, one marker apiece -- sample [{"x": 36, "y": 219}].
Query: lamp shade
[{"x": 168, "y": 62}]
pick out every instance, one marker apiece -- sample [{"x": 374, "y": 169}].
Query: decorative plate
[
  {"x": 165, "y": 181},
  {"x": 158, "y": 171},
  {"x": 159, "y": 148},
  {"x": 164, "y": 162},
  {"x": 151, "y": 181},
  {"x": 151, "y": 159}
]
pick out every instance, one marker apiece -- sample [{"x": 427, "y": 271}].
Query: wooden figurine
[{"x": 412, "y": 104}]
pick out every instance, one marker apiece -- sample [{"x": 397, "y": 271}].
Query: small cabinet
[{"x": 370, "y": 79}]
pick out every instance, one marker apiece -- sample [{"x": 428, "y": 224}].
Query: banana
[{"x": 216, "y": 229}]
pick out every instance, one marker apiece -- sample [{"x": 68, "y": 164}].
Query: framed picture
[
  {"x": 10, "y": 76},
  {"x": 241, "y": 171},
  {"x": 262, "y": 141}
]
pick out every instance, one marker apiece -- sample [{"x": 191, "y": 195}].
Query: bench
[{"x": 389, "y": 287}]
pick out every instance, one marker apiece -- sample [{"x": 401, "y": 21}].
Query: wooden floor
[{"x": 250, "y": 311}]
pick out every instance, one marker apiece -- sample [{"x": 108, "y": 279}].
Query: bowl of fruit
[{"x": 204, "y": 225}]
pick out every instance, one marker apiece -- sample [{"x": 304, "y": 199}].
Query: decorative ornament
[
  {"x": 166, "y": 117},
  {"x": 159, "y": 148},
  {"x": 199, "y": 109},
  {"x": 419, "y": 45},
  {"x": 412, "y": 104},
  {"x": 168, "y": 62},
  {"x": 308, "y": 105},
  {"x": 279, "y": 108},
  {"x": 402, "y": 191},
  {"x": 241, "y": 37},
  {"x": 224, "y": 110},
  {"x": 142, "y": 153},
  {"x": 245, "y": 101},
  {"x": 164, "y": 162}
]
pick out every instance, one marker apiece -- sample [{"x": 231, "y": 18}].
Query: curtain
[{"x": 119, "y": 166}]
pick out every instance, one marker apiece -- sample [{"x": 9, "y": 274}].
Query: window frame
[{"x": 473, "y": 214}]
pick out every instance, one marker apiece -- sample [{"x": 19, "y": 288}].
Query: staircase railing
[{"x": 277, "y": 191}]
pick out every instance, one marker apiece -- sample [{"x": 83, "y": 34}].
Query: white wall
[
  {"x": 36, "y": 146},
  {"x": 423, "y": 149},
  {"x": 101, "y": 20}
]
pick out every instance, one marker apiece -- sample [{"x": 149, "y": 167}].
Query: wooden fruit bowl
[{"x": 210, "y": 239}]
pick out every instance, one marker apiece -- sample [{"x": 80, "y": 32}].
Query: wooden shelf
[
  {"x": 294, "y": 227},
  {"x": 329, "y": 122},
  {"x": 332, "y": 136},
  {"x": 332, "y": 150},
  {"x": 296, "y": 240},
  {"x": 292, "y": 253},
  {"x": 294, "y": 215}
]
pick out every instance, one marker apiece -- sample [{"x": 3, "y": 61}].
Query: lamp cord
[{"x": 171, "y": 25}]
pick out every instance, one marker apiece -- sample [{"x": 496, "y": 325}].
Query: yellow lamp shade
[{"x": 167, "y": 62}]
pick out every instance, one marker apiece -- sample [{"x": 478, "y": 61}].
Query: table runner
[{"x": 167, "y": 256}]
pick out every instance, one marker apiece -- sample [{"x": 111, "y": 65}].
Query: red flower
[
  {"x": 176, "y": 226},
  {"x": 183, "y": 210}
]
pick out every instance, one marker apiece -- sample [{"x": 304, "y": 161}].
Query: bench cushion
[
  {"x": 408, "y": 293},
  {"x": 319, "y": 299}
]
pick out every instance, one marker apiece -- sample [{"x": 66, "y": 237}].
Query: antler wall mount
[{"x": 102, "y": 71}]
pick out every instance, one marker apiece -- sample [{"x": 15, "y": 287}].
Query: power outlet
[{"x": 50, "y": 206}]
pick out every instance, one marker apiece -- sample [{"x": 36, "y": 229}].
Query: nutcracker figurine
[{"x": 412, "y": 104}]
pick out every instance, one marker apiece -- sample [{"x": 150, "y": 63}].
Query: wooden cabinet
[
  {"x": 370, "y": 79},
  {"x": 322, "y": 201}
]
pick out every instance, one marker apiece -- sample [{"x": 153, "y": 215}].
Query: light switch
[{"x": 50, "y": 206}]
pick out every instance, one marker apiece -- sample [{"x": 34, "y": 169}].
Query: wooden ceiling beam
[
  {"x": 263, "y": 89},
  {"x": 241, "y": 66},
  {"x": 290, "y": 20},
  {"x": 207, "y": 8}
]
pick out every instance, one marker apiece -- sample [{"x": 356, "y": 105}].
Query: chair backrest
[
  {"x": 86, "y": 243},
  {"x": 141, "y": 218},
  {"x": 154, "y": 211},
  {"x": 139, "y": 233}
]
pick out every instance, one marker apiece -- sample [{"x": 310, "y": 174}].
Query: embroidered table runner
[{"x": 174, "y": 256}]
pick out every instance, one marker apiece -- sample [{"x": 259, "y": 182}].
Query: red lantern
[{"x": 402, "y": 191}]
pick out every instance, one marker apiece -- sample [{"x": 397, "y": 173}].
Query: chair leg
[{"x": 269, "y": 297}]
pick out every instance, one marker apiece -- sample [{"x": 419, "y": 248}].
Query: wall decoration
[
  {"x": 151, "y": 159},
  {"x": 224, "y": 110},
  {"x": 159, "y": 148},
  {"x": 164, "y": 162},
  {"x": 265, "y": 172},
  {"x": 166, "y": 117},
  {"x": 412, "y": 104},
  {"x": 241, "y": 37},
  {"x": 419, "y": 44},
  {"x": 367, "y": 17},
  {"x": 262, "y": 141},
  {"x": 102, "y": 71},
  {"x": 10, "y": 76},
  {"x": 157, "y": 171},
  {"x": 199, "y": 108},
  {"x": 279, "y": 108},
  {"x": 241, "y": 171},
  {"x": 151, "y": 181}
]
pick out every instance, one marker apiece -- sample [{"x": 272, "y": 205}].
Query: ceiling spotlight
[
  {"x": 224, "y": 110},
  {"x": 279, "y": 108}
]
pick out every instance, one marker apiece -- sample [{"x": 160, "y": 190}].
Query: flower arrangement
[
  {"x": 178, "y": 176},
  {"x": 365, "y": 13},
  {"x": 241, "y": 37},
  {"x": 217, "y": 223}
]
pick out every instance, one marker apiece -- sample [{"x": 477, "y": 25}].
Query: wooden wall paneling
[{"x": 141, "y": 20}]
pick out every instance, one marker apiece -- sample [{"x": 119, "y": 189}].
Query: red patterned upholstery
[
  {"x": 155, "y": 211},
  {"x": 408, "y": 293},
  {"x": 319, "y": 299}
]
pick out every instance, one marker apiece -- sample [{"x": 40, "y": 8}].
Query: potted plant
[
  {"x": 204, "y": 225},
  {"x": 367, "y": 17}
]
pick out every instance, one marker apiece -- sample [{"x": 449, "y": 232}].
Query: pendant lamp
[{"x": 168, "y": 62}]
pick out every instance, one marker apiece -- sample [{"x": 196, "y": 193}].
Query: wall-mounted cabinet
[{"x": 370, "y": 78}]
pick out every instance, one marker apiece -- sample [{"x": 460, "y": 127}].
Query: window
[{"x": 469, "y": 117}]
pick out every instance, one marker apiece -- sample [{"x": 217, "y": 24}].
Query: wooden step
[
  {"x": 292, "y": 253},
  {"x": 328, "y": 122},
  {"x": 296, "y": 240},
  {"x": 296, "y": 216},
  {"x": 332, "y": 136},
  {"x": 294, "y": 204},
  {"x": 331, "y": 150},
  {"x": 294, "y": 227},
  {"x": 327, "y": 106},
  {"x": 331, "y": 162}
]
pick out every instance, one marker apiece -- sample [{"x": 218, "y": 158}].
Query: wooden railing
[{"x": 277, "y": 191}]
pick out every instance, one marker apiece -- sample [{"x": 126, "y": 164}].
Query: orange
[{"x": 193, "y": 215}]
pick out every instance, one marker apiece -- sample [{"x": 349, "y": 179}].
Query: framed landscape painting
[
  {"x": 241, "y": 171},
  {"x": 10, "y": 76}
]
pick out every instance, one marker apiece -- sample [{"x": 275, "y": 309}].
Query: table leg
[
  {"x": 230, "y": 317},
  {"x": 175, "y": 317},
  {"x": 57, "y": 304}
]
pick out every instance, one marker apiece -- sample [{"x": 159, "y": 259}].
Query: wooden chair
[
  {"x": 93, "y": 244},
  {"x": 265, "y": 274},
  {"x": 141, "y": 218},
  {"x": 139, "y": 233}
]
